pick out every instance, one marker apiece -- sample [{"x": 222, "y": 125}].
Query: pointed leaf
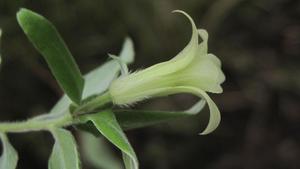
[
  {"x": 64, "y": 154},
  {"x": 98, "y": 80},
  {"x": 108, "y": 126},
  {"x": 9, "y": 157},
  {"x": 49, "y": 43},
  {"x": 131, "y": 119}
]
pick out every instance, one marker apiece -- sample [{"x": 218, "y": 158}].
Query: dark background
[{"x": 258, "y": 42}]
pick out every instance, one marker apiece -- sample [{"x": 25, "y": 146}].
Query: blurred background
[{"x": 258, "y": 42}]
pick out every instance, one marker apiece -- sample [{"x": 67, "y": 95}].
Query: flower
[{"x": 192, "y": 70}]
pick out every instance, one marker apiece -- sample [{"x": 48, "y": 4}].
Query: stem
[
  {"x": 36, "y": 125},
  {"x": 49, "y": 121},
  {"x": 94, "y": 104}
]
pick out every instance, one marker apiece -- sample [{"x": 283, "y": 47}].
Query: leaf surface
[
  {"x": 64, "y": 153},
  {"x": 46, "y": 39},
  {"x": 132, "y": 119},
  {"x": 96, "y": 151},
  {"x": 9, "y": 157},
  {"x": 108, "y": 126}
]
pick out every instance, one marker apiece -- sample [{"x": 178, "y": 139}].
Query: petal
[
  {"x": 202, "y": 49},
  {"x": 215, "y": 117},
  {"x": 215, "y": 59},
  {"x": 196, "y": 108},
  {"x": 192, "y": 45},
  {"x": 202, "y": 73},
  {"x": 180, "y": 61}
]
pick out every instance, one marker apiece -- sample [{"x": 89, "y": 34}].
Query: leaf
[
  {"x": 64, "y": 154},
  {"x": 131, "y": 119},
  {"x": 99, "y": 79},
  {"x": 97, "y": 153},
  {"x": 108, "y": 126},
  {"x": 9, "y": 157},
  {"x": 49, "y": 43}
]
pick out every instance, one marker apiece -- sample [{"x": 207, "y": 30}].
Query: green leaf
[
  {"x": 131, "y": 119},
  {"x": 49, "y": 43},
  {"x": 97, "y": 153},
  {"x": 108, "y": 126},
  {"x": 64, "y": 154},
  {"x": 99, "y": 79},
  {"x": 128, "y": 162},
  {"x": 9, "y": 157}
]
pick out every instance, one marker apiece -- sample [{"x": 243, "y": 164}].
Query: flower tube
[{"x": 193, "y": 71}]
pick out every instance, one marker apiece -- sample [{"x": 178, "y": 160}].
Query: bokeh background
[{"x": 258, "y": 42}]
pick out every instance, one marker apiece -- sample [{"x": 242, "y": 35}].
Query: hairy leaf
[
  {"x": 131, "y": 119},
  {"x": 108, "y": 126},
  {"x": 97, "y": 153},
  {"x": 49, "y": 43},
  {"x": 9, "y": 157},
  {"x": 64, "y": 154}
]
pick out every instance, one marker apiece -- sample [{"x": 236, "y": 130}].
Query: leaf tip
[{"x": 21, "y": 13}]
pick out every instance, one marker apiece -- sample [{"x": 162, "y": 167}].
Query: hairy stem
[
  {"x": 95, "y": 104},
  {"x": 36, "y": 124},
  {"x": 48, "y": 121}
]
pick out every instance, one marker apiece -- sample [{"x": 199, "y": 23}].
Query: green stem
[
  {"x": 96, "y": 103},
  {"x": 49, "y": 121},
  {"x": 35, "y": 124}
]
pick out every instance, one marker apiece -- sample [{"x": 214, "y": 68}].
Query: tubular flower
[{"x": 192, "y": 71}]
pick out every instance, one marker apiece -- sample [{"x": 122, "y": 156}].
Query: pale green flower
[{"x": 193, "y": 71}]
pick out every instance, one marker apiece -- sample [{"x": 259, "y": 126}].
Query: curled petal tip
[
  {"x": 194, "y": 28},
  {"x": 185, "y": 14},
  {"x": 203, "y": 34},
  {"x": 178, "y": 11}
]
